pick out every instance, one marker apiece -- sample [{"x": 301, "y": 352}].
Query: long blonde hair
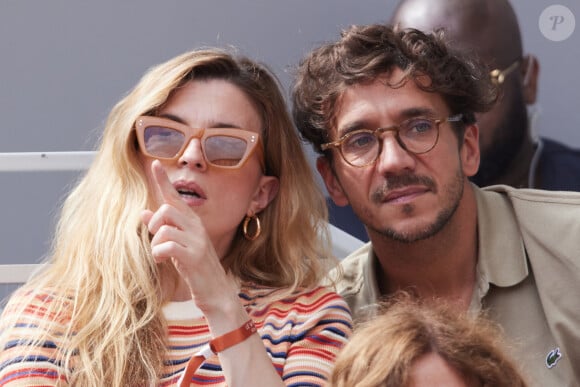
[{"x": 101, "y": 270}]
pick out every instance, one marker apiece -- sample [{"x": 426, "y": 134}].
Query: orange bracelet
[
  {"x": 232, "y": 338},
  {"x": 215, "y": 346}
]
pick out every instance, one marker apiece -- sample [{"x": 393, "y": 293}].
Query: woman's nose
[{"x": 192, "y": 155}]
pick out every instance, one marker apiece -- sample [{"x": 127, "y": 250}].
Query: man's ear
[
  {"x": 530, "y": 74},
  {"x": 331, "y": 181},
  {"x": 470, "y": 150}
]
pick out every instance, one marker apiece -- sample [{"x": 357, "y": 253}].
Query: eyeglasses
[
  {"x": 162, "y": 138},
  {"x": 498, "y": 76},
  {"x": 363, "y": 147}
]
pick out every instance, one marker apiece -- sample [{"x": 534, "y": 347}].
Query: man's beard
[
  {"x": 453, "y": 194},
  {"x": 507, "y": 140}
]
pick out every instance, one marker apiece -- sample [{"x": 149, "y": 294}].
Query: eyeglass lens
[
  {"x": 219, "y": 150},
  {"x": 415, "y": 135}
]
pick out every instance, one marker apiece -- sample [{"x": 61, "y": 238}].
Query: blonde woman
[
  {"x": 190, "y": 252},
  {"x": 413, "y": 344}
]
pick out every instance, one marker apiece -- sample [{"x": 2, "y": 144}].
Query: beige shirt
[{"x": 528, "y": 277}]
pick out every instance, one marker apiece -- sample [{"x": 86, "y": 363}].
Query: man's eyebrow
[
  {"x": 401, "y": 116},
  {"x": 351, "y": 127},
  {"x": 416, "y": 112}
]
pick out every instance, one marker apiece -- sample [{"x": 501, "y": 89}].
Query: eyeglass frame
[
  {"x": 393, "y": 128},
  {"x": 253, "y": 139},
  {"x": 498, "y": 76}
]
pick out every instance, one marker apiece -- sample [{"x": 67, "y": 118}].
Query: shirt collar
[
  {"x": 501, "y": 252},
  {"x": 501, "y": 257}
]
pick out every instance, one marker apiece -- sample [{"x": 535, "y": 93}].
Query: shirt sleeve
[
  {"x": 322, "y": 326},
  {"x": 24, "y": 360}
]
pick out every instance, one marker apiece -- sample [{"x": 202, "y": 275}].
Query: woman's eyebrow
[
  {"x": 219, "y": 124},
  {"x": 173, "y": 117}
]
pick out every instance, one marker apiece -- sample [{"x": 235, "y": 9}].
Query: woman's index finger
[{"x": 163, "y": 185}]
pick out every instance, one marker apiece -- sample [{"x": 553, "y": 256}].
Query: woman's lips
[{"x": 190, "y": 192}]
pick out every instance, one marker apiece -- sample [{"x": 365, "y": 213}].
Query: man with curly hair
[{"x": 392, "y": 114}]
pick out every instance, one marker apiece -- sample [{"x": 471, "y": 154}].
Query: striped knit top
[{"x": 302, "y": 335}]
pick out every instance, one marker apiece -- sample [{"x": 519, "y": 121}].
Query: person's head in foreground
[{"x": 412, "y": 344}]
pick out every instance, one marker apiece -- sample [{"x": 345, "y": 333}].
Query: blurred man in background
[{"x": 510, "y": 151}]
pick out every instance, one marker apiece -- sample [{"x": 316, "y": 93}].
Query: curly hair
[
  {"x": 383, "y": 350},
  {"x": 364, "y": 53}
]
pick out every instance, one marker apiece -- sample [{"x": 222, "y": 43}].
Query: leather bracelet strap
[
  {"x": 232, "y": 338},
  {"x": 215, "y": 346}
]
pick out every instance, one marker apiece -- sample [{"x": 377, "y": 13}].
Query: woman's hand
[{"x": 179, "y": 235}]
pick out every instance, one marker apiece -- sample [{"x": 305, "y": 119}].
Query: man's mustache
[{"x": 401, "y": 181}]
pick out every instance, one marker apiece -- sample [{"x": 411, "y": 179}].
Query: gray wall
[{"x": 64, "y": 63}]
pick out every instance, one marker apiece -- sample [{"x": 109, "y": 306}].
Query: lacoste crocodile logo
[{"x": 553, "y": 357}]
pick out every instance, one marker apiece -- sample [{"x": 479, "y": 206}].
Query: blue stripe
[{"x": 32, "y": 359}]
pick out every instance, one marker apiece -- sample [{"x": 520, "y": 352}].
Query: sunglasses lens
[
  {"x": 162, "y": 142},
  {"x": 225, "y": 151}
]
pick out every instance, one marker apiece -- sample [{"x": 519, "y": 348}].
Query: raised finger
[{"x": 167, "y": 193}]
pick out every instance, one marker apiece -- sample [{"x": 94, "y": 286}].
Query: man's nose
[{"x": 393, "y": 158}]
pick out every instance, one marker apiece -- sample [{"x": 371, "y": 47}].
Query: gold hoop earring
[{"x": 252, "y": 237}]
